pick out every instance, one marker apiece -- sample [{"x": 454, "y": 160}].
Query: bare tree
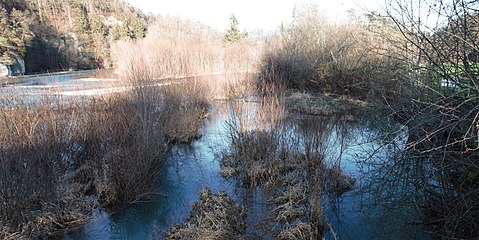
[{"x": 440, "y": 57}]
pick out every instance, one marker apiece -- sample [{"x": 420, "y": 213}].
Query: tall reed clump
[
  {"x": 33, "y": 197},
  {"x": 132, "y": 144},
  {"x": 134, "y": 131}
]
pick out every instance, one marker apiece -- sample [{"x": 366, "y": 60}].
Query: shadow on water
[{"x": 359, "y": 148}]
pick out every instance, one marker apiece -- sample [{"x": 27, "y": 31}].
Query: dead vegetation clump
[
  {"x": 33, "y": 201},
  {"x": 67, "y": 210},
  {"x": 255, "y": 137},
  {"x": 257, "y": 149},
  {"x": 337, "y": 182},
  {"x": 214, "y": 216},
  {"x": 297, "y": 201}
]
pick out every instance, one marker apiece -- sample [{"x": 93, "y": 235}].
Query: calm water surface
[{"x": 191, "y": 168}]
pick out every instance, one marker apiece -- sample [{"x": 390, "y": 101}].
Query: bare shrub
[
  {"x": 32, "y": 165},
  {"x": 129, "y": 166},
  {"x": 178, "y": 48},
  {"x": 315, "y": 54},
  {"x": 185, "y": 105}
]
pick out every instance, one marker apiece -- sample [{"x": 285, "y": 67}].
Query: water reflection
[{"x": 380, "y": 206}]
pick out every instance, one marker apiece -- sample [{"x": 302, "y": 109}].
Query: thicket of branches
[
  {"x": 313, "y": 53},
  {"x": 420, "y": 60},
  {"x": 440, "y": 50},
  {"x": 174, "y": 47}
]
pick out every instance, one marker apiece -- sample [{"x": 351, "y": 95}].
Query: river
[
  {"x": 32, "y": 88},
  {"x": 353, "y": 215}
]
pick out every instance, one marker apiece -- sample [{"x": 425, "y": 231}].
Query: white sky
[{"x": 266, "y": 15}]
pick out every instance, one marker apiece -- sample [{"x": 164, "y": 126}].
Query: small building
[{"x": 17, "y": 68}]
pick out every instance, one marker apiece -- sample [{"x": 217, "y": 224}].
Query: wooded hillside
[{"x": 66, "y": 34}]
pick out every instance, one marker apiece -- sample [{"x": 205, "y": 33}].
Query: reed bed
[{"x": 56, "y": 153}]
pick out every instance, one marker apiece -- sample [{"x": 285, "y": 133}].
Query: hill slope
[{"x": 66, "y": 34}]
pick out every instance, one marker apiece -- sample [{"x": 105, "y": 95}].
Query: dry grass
[{"x": 214, "y": 216}]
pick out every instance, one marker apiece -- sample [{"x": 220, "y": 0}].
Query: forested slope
[{"x": 66, "y": 34}]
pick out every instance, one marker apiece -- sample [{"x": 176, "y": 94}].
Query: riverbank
[
  {"x": 307, "y": 159},
  {"x": 191, "y": 168},
  {"x": 315, "y": 103},
  {"x": 35, "y": 78}
]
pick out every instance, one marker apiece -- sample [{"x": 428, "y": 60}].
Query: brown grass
[{"x": 214, "y": 216}]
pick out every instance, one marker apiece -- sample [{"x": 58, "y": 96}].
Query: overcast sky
[{"x": 266, "y": 15}]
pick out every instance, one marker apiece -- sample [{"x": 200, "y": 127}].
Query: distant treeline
[{"x": 66, "y": 34}]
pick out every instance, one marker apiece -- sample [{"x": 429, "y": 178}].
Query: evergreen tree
[
  {"x": 233, "y": 34},
  {"x": 15, "y": 35}
]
